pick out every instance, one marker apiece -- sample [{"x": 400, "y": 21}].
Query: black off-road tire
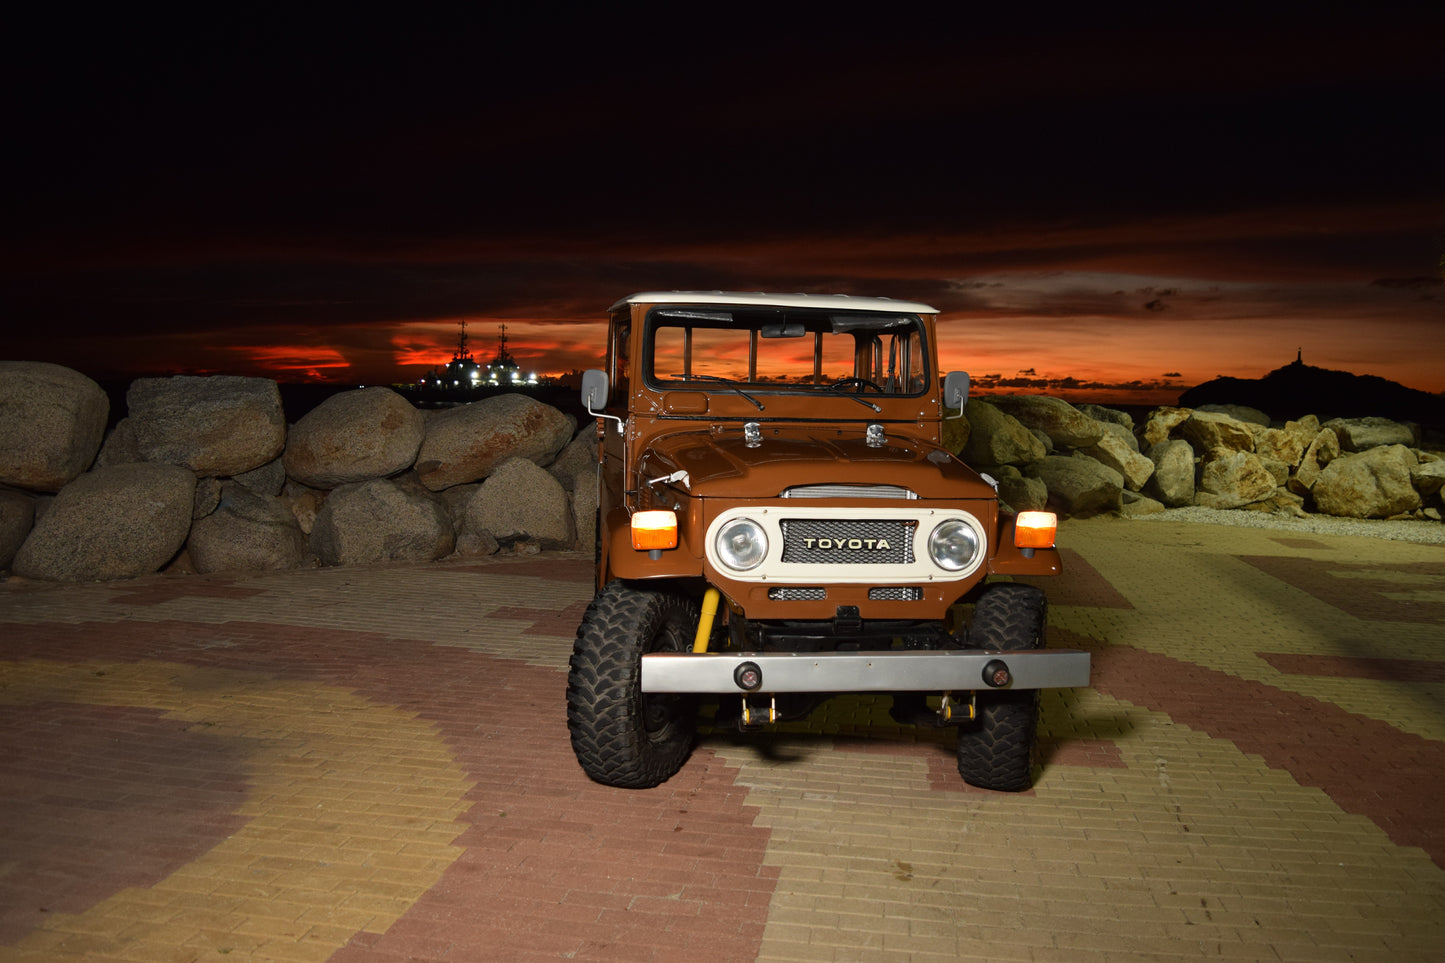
[
  {"x": 621, "y": 737},
  {"x": 996, "y": 751}
]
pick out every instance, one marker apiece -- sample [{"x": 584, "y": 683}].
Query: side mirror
[
  {"x": 594, "y": 390},
  {"x": 955, "y": 391}
]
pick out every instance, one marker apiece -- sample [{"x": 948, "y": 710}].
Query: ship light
[
  {"x": 1035, "y": 529},
  {"x": 654, "y": 530}
]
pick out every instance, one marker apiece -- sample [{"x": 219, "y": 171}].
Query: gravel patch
[{"x": 1425, "y": 531}]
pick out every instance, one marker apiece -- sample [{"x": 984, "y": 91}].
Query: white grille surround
[{"x": 849, "y": 568}]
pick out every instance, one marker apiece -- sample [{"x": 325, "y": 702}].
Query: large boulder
[
  {"x": 1229, "y": 479},
  {"x": 17, "y": 515},
  {"x": 1287, "y": 444},
  {"x": 1078, "y": 486},
  {"x": 1172, "y": 483},
  {"x": 520, "y": 502},
  {"x": 995, "y": 438},
  {"x": 115, "y": 522},
  {"x": 381, "y": 520},
  {"x": 248, "y": 532},
  {"x": 1369, "y": 484},
  {"x": 1108, "y": 416},
  {"x": 1018, "y": 492},
  {"x": 1213, "y": 429},
  {"x": 1111, "y": 450},
  {"x": 268, "y": 479},
  {"x": 1322, "y": 449},
  {"x": 1061, "y": 421},
  {"x": 1244, "y": 413},
  {"x": 52, "y": 420},
  {"x": 1360, "y": 434},
  {"x": 1161, "y": 424},
  {"x": 584, "y": 510},
  {"x": 579, "y": 457},
  {"x": 464, "y": 444},
  {"x": 216, "y": 426},
  {"x": 1429, "y": 475},
  {"x": 354, "y": 436}
]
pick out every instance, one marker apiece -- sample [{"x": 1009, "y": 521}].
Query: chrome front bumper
[{"x": 949, "y": 670}]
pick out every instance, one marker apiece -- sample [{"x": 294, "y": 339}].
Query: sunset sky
[{"x": 1102, "y": 207}]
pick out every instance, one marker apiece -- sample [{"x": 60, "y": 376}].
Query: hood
[{"x": 723, "y": 466}]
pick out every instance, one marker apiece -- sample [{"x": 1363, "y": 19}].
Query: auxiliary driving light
[
  {"x": 654, "y": 530},
  {"x": 996, "y": 674},
  {"x": 748, "y": 676},
  {"x": 1035, "y": 529}
]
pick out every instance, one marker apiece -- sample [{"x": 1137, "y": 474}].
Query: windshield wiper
[
  {"x": 728, "y": 381},
  {"x": 845, "y": 394}
]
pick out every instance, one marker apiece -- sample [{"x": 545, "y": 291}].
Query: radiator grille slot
[
  {"x": 848, "y": 491},
  {"x": 814, "y": 541},
  {"x": 797, "y": 594},
  {"x": 898, "y": 593}
]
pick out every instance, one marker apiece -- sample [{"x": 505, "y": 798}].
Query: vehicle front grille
[
  {"x": 797, "y": 594},
  {"x": 813, "y": 541},
  {"x": 848, "y": 491},
  {"x": 900, "y": 593}
]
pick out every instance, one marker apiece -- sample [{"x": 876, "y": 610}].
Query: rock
[
  {"x": 1173, "y": 480},
  {"x": 584, "y": 510},
  {"x": 456, "y": 500},
  {"x": 1287, "y": 444},
  {"x": 1244, "y": 413},
  {"x": 521, "y": 502},
  {"x": 996, "y": 438},
  {"x": 119, "y": 447},
  {"x": 381, "y": 520},
  {"x": 1279, "y": 502},
  {"x": 1361, "y": 434},
  {"x": 51, "y": 423},
  {"x": 115, "y": 522},
  {"x": 268, "y": 479},
  {"x": 1428, "y": 476},
  {"x": 220, "y": 425},
  {"x": 955, "y": 433},
  {"x": 580, "y": 455},
  {"x": 1061, "y": 421},
  {"x": 1211, "y": 429},
  {"x": 17, "y": 516},
  {"x": 1135, "y": 504},
  {"x": 1232, "y": 478},
  {"x": 1078, "y": 486},
  {"x": 474, "y": 544},
  {"x": 1114, "y": 453},
  {"x": 1125, "y": 435},
  {"x": 1020, "y": 493},
  {"x": 1161, "y": 424},
  {"x": 1324, "y": 448},
  {"x": 354, "y": 436},
  {"x": 207, "y": 497},
  {"x": 305, "y": 504},
  {"x": 463, "y": 444},
  {"x": 247, "y": 532},
  {"x": 1108, "y": 416},
  {"x": 1278, "y": 470},
  {"x": 1370, "y": 484}
]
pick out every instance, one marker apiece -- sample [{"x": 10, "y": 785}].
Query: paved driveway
[{"x": 373, "y": 765}]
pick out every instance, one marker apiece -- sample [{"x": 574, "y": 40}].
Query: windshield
[{"x": 774, "y": 349}]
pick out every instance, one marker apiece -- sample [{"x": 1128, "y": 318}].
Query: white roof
[{"x": 845, "y": 302}]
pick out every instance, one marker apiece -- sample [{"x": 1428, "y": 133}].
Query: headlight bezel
[{"x": 724, "y": 539}]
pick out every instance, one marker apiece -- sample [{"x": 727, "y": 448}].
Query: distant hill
[{"x": 1299, "y": 389}]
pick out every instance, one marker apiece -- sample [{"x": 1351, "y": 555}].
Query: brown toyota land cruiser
[{"x": 779, "y": 521}]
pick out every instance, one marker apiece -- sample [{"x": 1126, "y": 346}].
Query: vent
[
  {"x": 813, "y": 541},
  {"x": 797, "y": 594},
  {"x": 899, "y": 593},
  {"x": 848, "y": 491}
]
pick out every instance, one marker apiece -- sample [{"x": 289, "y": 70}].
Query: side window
[{"x": 914, "y": 374}]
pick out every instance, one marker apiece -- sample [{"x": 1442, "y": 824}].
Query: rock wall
[
  {"x": 204, "y": 475},
  {"x": 1046, "y": 453}
]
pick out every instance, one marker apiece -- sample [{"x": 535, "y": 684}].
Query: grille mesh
[
  {"x": 797, "y": 594},
  {"x": 812, "y": 541},
  {"x": 899, "y": 593}
]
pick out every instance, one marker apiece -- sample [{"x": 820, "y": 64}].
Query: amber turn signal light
[
  {"x": 654, "y": 530},
  {"x": 1035, "y": 529}
]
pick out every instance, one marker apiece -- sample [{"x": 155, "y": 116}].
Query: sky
[{"x": 1102, "y": 206}]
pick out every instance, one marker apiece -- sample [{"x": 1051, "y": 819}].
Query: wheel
[
  {"x": 997, "y": 750},
  {"x": 622, "y": 737},
  {"x": 860, "y": 382}
]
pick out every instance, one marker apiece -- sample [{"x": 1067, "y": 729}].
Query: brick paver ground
[{"x": 373, "y": 765}]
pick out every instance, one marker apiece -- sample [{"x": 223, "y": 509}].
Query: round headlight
[
  {"x": 953, "y": 545},
  {"x": 741, "y": 544}
]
